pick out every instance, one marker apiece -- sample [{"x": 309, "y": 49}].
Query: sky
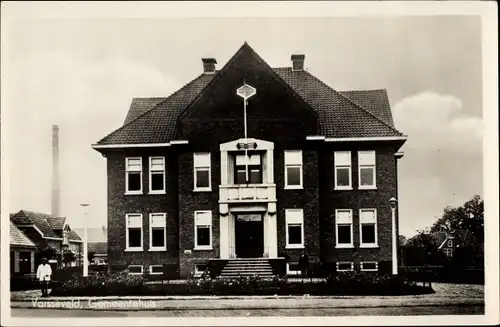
[{"x": 81, "y": 74}]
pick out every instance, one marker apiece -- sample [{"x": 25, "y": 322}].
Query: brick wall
[
  {"x": 330, "y": 199},
  {"x": 120, "y": 204}
]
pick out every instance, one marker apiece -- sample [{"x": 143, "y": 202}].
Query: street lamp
[
  {"x": 85, "y": 249},
  {"x": 394, "y": 202}
]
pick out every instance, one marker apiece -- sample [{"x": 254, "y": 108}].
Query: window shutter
[
  {"x": 202, "y": 159},
  {"x": 344, "y": 217},
  {"x": 158, "y": 220},
  {"x": 366, "y": 158},
  {"x": 134, "y": 221},
  {"x": 294, "y": 216},
  {"x": 368, "y": 216},
  {"x": 203, "y": 218},
  {"x": 343, "y": 158},
  {"x": 293, "y": 157},
  {"x": 134, "y": 164},
  {"x": 157, "y": 164}
]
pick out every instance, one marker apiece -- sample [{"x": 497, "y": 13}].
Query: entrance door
[{"x": 249, "y": 232}]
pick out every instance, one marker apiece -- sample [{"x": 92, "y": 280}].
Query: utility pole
[{"x": 85, "y": 241}]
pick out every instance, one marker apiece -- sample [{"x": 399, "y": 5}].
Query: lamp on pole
[
  {"x": 85, "y": 248},
  {"x": 394, "y": 202}
]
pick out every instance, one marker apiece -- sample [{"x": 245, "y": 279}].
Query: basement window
[
  {"x": 156, "y": 269},
  {"x": 369, "y": 266},
  {"x": 292, "y": 268},
  {"x": 135, "y": 269},
  {"x": 345, "y": 266},
  {"x": 199, "y": 269}
]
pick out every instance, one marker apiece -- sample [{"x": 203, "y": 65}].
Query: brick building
[{"x": 314, "y": 175}]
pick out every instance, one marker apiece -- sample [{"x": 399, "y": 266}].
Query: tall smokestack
[{"x": 55, "y": 171}]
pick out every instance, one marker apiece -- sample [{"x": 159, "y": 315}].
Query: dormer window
[{"x": 252, "y": 163}]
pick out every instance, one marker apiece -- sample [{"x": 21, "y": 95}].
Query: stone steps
[{"x": 247, "y": 267}]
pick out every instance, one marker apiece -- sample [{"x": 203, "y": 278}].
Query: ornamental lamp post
[
  {"x": 85, "y": 248},
  {"x": 394, "y": 202}
]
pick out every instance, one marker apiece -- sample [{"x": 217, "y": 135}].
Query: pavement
[{"x": 456, "y": 295}]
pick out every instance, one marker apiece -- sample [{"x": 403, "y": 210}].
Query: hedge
[{"x": 123, "y": 283}]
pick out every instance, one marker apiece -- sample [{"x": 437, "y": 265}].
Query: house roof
[
  {"x": 361, "y": 113},
  {"x": 39, "y": 220},
  {"x": 48, "y": 225},
  {"x": 98, "y": 247},
  {"x": 18, "y": 238},
  {"x": 56, "y": 222}
]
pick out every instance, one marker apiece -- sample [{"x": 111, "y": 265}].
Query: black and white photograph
[{"x": 236, "y": 163}]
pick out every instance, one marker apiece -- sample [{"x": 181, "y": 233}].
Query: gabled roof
[
  {"x": 56, "y": 223},
  {"x": 18, "y": 238},
  {"x": 73, "y": 236},
  {"x": 374, "y": 101},
  {"x": 39, "y": 220},
  {"x": 362, "y": 113}
]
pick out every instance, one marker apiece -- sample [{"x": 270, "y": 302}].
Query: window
[
  {"x": 292, "y": 268},
  {"x": 254, "y": 164},
  {"x": 157, "y": 175},
  {"x": 133, "y": 179},
  {"x": 366, "y": 168},
  {"x": 448, "y": 252},
  {"x": 368, "y": 227},
  {"x": 135, "y": 269},
  {"x": 156, "y": 269},
  {"x": 199, "y": 269},
  {"x": 345, "y": 266},
  {"x": 293, "y": 169},
  {"x": 342, "y": 170},
  {"x": 294, "y": 228},
  {"x": 450, "y": 243},
  {"x": 157, "y": 232},
  {"x": 202, "y": 180},
  {"x": 134, "y": 232},
  {"x": 369, "y": 266},
  {"x": 343, "y": 222},
  {"x": 203, "y": 230}
]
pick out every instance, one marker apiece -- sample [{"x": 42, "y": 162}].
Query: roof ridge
[
  {"x": 346, "y": 98},
  {"x": 364, "y": 90},
  {"x": 259, "y": 58},
  {"x": 149, "y": 110}
]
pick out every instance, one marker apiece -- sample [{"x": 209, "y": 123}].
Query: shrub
[
  {"x": 121, "y": 283},
  {"x": 361, "y": 283}
]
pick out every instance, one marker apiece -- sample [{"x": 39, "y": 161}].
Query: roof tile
[{"x": 18, "y": 238}]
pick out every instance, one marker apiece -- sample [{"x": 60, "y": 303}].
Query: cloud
[
  {"x": 87, "y": 100},
  {"x": 434, "y": 121},
  {"x": 443, "y": 157}
]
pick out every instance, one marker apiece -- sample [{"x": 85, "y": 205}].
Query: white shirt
[{"x": 44, "y": 272}]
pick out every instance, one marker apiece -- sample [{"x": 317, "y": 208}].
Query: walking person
[{"x": 43, "y": 274}]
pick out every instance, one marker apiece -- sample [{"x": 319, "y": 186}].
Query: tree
[
  {"x": 68, "y": 256},
  {"x": 422, "y": 250}
]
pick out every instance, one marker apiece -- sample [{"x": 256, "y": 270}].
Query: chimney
[
  {"x": 55, "y": 171},
  {"x": 298, "y": 62},
  {"x": 209, "y": 65}
]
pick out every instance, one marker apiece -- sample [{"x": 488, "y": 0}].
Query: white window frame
[
  {"x": 133, "y": 249},
  {"x": 345, "y": 262},
  {"x": 155, "y": 273},
  {"x": 127, "y": 191},
  {"x": 202, "y": 247},
  {"x": 301, "y": 166},
  {"x": 336, "y": 166},
  {"x": 152, "y": 172},
  {"x": 374, "y": 166},
  {"x": 134, "y": 273},
  {"x": 292, "y": 272},
  {"x": 195, "y": 168},
  {"x": 343, "y": 245},
  {"x": 197, "y": 272},
  {"x": 366, "y": 269},
  {"x": 449, "y": 243},
  {"x": 287, "y": 223},
  {"x": 157, "y": 248},
  {"x": 448, "y": 250},
  {"x": 368, "y": 245}
]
